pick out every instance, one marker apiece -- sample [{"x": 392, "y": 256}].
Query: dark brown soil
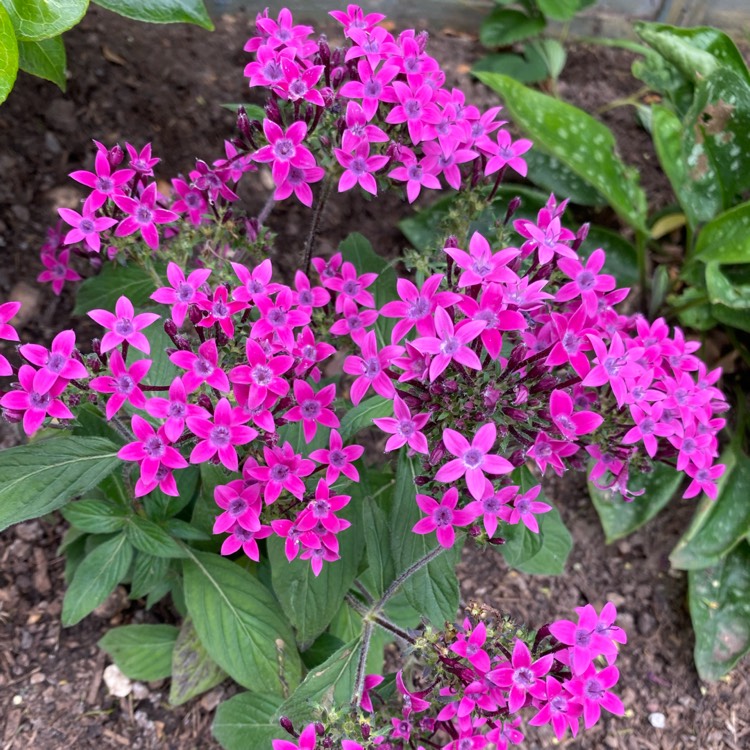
[{"x": 142, "y": 83}]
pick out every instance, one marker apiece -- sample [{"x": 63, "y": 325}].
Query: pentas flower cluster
[
  {"x": 375, "y": 110},
  {"x": 477, "y": 680}
]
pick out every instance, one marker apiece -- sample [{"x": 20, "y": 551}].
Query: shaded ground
[{"x": 144, "y": 83}]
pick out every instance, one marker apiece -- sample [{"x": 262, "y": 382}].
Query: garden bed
[{"x": 140, "y": 83}]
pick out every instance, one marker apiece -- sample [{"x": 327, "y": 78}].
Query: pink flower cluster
[
  {"x": 479, "y": 687},
  {"x": 395, "y": 110}
]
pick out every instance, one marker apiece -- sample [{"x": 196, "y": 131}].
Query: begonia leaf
[
  {"x": 161, "y": 11},
  {"x": 505, "y": 26},
  {"x": 246, "y": 721},
  {"x": 45, "y": 59},
  {"x": 726, "y": 239},
  {"x": 142, "y": 652},
  {"x": 34, "y": 20},
  {"x": 8, "y": 55},
  {"x": 193, "y": 670},
  {"x": 240, "y": 624},
  {"x": 719, "y": 599},
  {"x": 578, "y": 140},
  {"x": 728, "y": 285},
  {"x": 39, "y": 478}
]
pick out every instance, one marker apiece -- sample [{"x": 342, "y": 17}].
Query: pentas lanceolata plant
[{"x": 506, "y": 356}]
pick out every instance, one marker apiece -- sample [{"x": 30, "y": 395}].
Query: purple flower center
[
  {"x": 350, "y": 288},
  {"x": 372, "y": 367},
  {"x": 143, "y": 215},
  {"x": 406, "y": 428},
  {"x": 582, "y": 637},
  {"x": 273, "y": 72},
  {"x": 203, "y": 367},
  {"x": 124, "y": 327},
  {"x": 86, "y": 226},
  {"x": 39, "y": 401},
  {"x": 124, "y": 385},
  {"x": 320, "y": 508},
  {"x": 358, "y": 166},
  {"x": 415, "y": 172},
  {"x": 176, "y": 410},
  {"x": 262, "y": 375},
  {"x": 220, "y": 436},
  {"x": 689, "y": 445},
  {"x": 372, "y": 89},
  {"x": 418, "y": 308},
  {"x": 279, "y": 473},
  {"x": 306, "y": 298},
  {"x": 219, "y": 309},
  {"x": 612, "y": 366},
  {"x": 524, "y": 678},
  {"x": 571, "y": 342},
  {"x": 297, "y": 89},
  {"x": 284, "y": 149},
  {"x": 473, "y": 458},
  {"x": 413, "y": 109},
  {"x": 337, "y": 459},
  {"x": 371, "y": 46},
  {"x": 308, "y": 352},
  {"x": 647, "y": 426},
  {"x": 310, "y": 409},
  {"x": 104, "y": 185},
  {"x": 450, "y": 346},
  {"x": 277, "y": 317},
  {"x": 184, "y": 292},
  {"x": 154, "y": 447},
  {"x": 586, "y": 281},
  {"x": 193, "y": 200},
  {"x": 593, "y": 690},
  {"x": 543, "y": 450},
  {"x": 56, "y": 361},
  {"x": 523, "y": 506},
  {"x": 237, "y": 506},
  {"x": 490, "y": 504},
  {"x": 242, "y": 535},
  {"x": 443, "y": 516}
]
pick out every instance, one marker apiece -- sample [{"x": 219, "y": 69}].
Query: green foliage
[
  {"x": 246, "y": 721},
  {"x": 8, "y": 55},
  {"x": 161, "y": 11},
  {"x": 113, "y": 281},
  {"x": 44, "y": 59},
  {"x": 142, "y": 652},
  {"x": 360, "y": 416},
  {"x": 193, "y": 670}
]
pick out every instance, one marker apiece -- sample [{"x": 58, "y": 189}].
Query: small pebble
[
  {"x": 657, "y": 720},
  {"x": 117, "y": 683}
]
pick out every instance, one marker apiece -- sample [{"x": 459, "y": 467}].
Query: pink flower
[
  {"x": 284, "y": 149},
  {"x": 416, "y": 174},
  {"x": 103, "y": 182},
  {"x": 255, "y": 283},
  {"x": 473, "y": 459},
  {"x": 241, "y": 504},
  {"x": 190, "y": 201},
  {"x": 57, "y": 270},
  {"x": 357, "y": 128},
  {"x": 375, "y": 44},
  {"x": 183, "y": 292},
  {"x": 493, "y": 504},
  {"x": 86, "y": 227},
  {"x": 283, "y": 471},
  {"x": 587, "y": 280},
  {"x": 438, "y": 161},
  {"x": 546, "y": 451},
  {"x": 371, "y": 87},
  {"x": 143, "y": 216},
  {"x": 648, "y": 426},
  {"x": 298, "y": 84},
  {"x": 450, "y": 343},
  {"x": 7, "y": 332},
  {"x": 309, "y": 352},
  {"x": 308, "y": 740},
  {"x": 704, "y": 479},
  {"x": 142, "y": 161},
  {"x": 572, "y": 343},
  {"x": 370, "y": 368},
  {"x": 220, "y": 310},
  {"x": 202, "y": 367},
  {"x": 524, "y": 509},
  {"x": 547, "y": 237},
  {"x": 242, "y": 538},
  {"x": 355, "y": 322},
  {"x": 35, "y": 400},
  {"x": 222, "y": 435},
  {"x": 153, "y": 452},
  {"x": 371, "y": 681},
  {"x": 508, "y": 153},
  {"x": 122, "y": 384},
  {"x": 590, "y": 689},
  {"x": 415, "y": 108},
  {"x": 352, "y": 286},
  {"x": 442, "y": 517},
  {"x": 613, "y": 366},
  {"x": 569, "y": 423},
  {"x": 282, "y": 33},
  {"x": 306, "y": 295},
  {"x": 338, "y": 458},
  {"x": 278, "y": 318},
  {"x": 174, "y": 409},
  {"x": 321, "y": 510},
  {"x": 480, "y": 265},
  {"x": 262, "y": 375},
  {"x": 298, "y": 181},
  {"x": 56, "y": 363},
  {"x": 355, "y": 18},
  {"x": 404, "y": 428},
  {"x": 505, "y": 733},
  {"x": 522, "y": 676},
  {"x": 124, "y": 325},
  {"x": 558, "y": 707},
  {"x": 358, "y": 168},
  {"x": 471, "y": 648},
  {"x": 312, "y": 408}
]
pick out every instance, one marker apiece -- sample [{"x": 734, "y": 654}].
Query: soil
[{"x": 142, "y": 83}]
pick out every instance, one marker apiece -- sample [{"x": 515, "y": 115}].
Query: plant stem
[
  {"x": 359, "y": 679},
  {"x": 315, "y": 224},
  {"x": 640, "y": 252},
  {"x": 408, "y": 573}
]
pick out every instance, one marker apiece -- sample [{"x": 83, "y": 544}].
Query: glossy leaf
[
  {"x": 8, "y": 55},
  {"x": 39, "y": 478},
  {"x": 45, "y": 59},
  {"x": 95, "y": 578},
  {"x": 433, "y": 590},
  {"x": 664, "y": 78},
  {"x": 193, "y": 670},
  {"x": 719, "y": 525},
  {"x": 103, "y": 290},
  {"x": 728, "y": 316},
  {"x": 240, "y": 624},
  {"x": 584, "y": 144},
  {"x": 142, "y": 652},
  {"x": 246, "y": 722},
  {"x": 503, "y": 27},
  {"x": 328, "y": 686},
  {"x": 620, "y": 517},
  {"x": 94, "y": 516},
  {"x": 360, "y": 417},
  {"x": 310, "y": 602},
  {"x": 726, "y": 239},
  {"x": 161, "y": 11},
  {"x": 719, "y": 599},
  {"x": 724, "y": 290},
  {"x": 34, "y": 20}
]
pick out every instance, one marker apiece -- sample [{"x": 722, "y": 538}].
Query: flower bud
[
  {"x": 272, "y": 112},
  {"x": 475, "y": 531},
  {"x": 205, "y": 403},
  {"x": 451, "y": 242},
  {"x": 450, "y": 386},
  {"x": 421, "y": 480},
  {"x": 112, "y": 252},
  {"x": 195, "y": 314},
  {"x": 95, "y": 262},
  {"x": 337, "y": 56},
  {"x": 513, "y": 205},
  {"x": 522, "y": 395},
  {"x": 337, "y": 76},
  {"x": 286, "y": 724},
  {"x": 12, "y": 417},
  {"x": 74, "y": 399},
  {"x": 319, "y": 729},
  {"x": 421, "y": 39},
  {"x": 517, "y": 415},
  {"x": 96, "y": 347},
  {"x": 324, "y": 50},
  {"x": 496, "y": 540},
  {"x": 364, "y": 728},
  {"x": 581, "y": 234},
  {"x": 221, "y": 338},
  {"x": 490, "y": 397},
  {"x": 170, "y": 328},
  {"x": 94, "y": 364},
  {"x": 182, "y": 343},
  {"x": 437, "y": 454},
  {"x": 115, "y": 155},
  {"x": 517, "y": 458}
]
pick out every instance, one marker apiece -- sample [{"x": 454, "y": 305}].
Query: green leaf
[
  {"x": 433, "y": 590},
  {"x": 162, "y": 371},
  {"x": 153, "y": 539},
  {"x": 357, "y": 250},
  {"x": 360, "y": 417},
  {"x": 324, "y": 647},
  {"x": 150, "y": 574},
  {"x": 723, "y": 290},
  {"x": 382, "y": 566},
  {"x": 103, "y": 290},
  {"x": 310, "y": 602},
  {"x": 582, "y": 143},
  {"x": 246, "y": 722},
  {"x": 161, "y": 11},
  {"x": 716, "y": 142},
  {"x": 719, "y": 525},
  {"x": 142, "y": 652},
  {"x": 39, "y": 478},
  {"x": 45, "y": 59},
  {"x": 504, "y": 27},
  {"x": 328, "y": 686},
  {"x": 160, "y": 506},
  {"x": 726, "y": 239},
  {"x": 193, "y": 670},
  {"x": 729, "y": 317},
  {"x": 696, "y": 52},
  {"x": 94, "y": 516},
  {"x": 720, "y": 609},
  {"x": 240, "y": 624},
  {"x": 621, "y": 255},
  {"x": 557, "y": 543},
  {"x": 559, "y": 10},
  {"x": 668, "y": 134},
  {"x": 530, "y": 67},
  {"x": 34, "y": 20},
  {"x": 553, "y": 54},
  {"x": 619, "y": 517},
  {"x": 253, "y": 111},
  {"x": 664, "y": 78},
  {"x": 95, "y": 578},
  {"x": 8, "y": 55},
  {"x": 556, "y": 177}
]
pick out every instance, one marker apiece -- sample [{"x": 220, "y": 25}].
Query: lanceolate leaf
[
  {"x": 45, "y": 59},
  {"x": 583, "y": 144},
  {"x": 161, "y": 11},
  {"x": 245, "y": 722},
  {"x": 328, "y": 686},
  {"x": 720, "y": 609},
  {"x": 96, "y": 577},
  {"x": 193, "y": 670},
  {"x": 240, "y": 624},
  {"x": 360, "y": 417},
  {"x": 142, "y": 652},
  {"x": 39, "y": 478},
  {"x": 34, "y": 20}
]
